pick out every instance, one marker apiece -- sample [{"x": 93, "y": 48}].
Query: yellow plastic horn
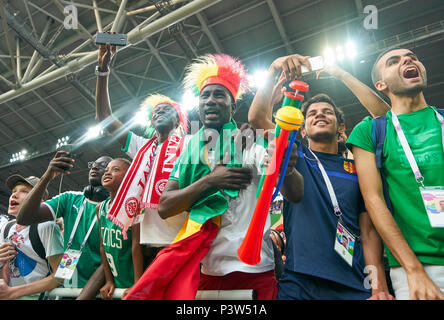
[{"x": 289, "y": 118}]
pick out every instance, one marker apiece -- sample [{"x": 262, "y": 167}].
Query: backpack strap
[
  {"x": 379, "y": 131},
  {"x": 36, "y": 242},
  {"x": 7, "y": 228},
  {"x": 38, "y": 247}
]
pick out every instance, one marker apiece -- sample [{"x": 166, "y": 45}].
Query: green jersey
[
  {"x": 423, "y": 133},
  {"x": 117, "y": 250},
  {"x": 67, "y": 205}
]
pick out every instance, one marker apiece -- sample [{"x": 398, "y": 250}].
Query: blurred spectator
[
  {"x": 78, "y": 212},
  {"x": 29, "y": 255}
]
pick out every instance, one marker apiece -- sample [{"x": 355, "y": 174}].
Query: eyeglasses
[{"x": 101, "y": 165}]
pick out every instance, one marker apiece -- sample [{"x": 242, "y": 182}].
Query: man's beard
[
  {"x": 410, "y": 92},
  {"x": 321, "y": 136},
  {"x": 398, "y": 90}
]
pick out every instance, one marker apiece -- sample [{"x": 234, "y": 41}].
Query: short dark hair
[
  {"x": 375, "y": 71},
  {"x": 322, "y": 97}
]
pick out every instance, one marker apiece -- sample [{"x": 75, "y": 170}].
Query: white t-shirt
[
  {"x": 154, "y": 230},
  {"x": 222, "y": 257},
  {"x": 27, "y": 266}
]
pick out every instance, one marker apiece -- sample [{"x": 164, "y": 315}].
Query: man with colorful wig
[
  {"x": 215, "y": 181},
  {"x": 153, "y": 159}
]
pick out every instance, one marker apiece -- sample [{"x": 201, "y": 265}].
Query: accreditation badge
[
  {"x": 344, "y": 243},
  {"x": 68, "y": 264},
  {"x": 433, "y": 198}
]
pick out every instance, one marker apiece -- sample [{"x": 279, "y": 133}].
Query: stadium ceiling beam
[
  {"x": 35, "y": 53},
  {"x": 3, "y": 15},
  {"x": 279, "y": 25},
  {"x": 134, "y": 36},
  {"x": 359, "y": 7},
  {"x": 106, "y": 20},
  {"x": 20, "y": 27},
  {"x": 210, "y": 33},
  {"x": 156, "y": 53},
  {"x": 31, "y": 21},
  {"x": 97, "y": 16},
  {"x": 61, "y": 9},
  {"x": 120, "y": 16}
]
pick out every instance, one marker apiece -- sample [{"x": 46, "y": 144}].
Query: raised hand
[
  {"x": 291, "y": 65},
  {"x": 106, "y": 52},
  {"x": 61, "y": 163}
]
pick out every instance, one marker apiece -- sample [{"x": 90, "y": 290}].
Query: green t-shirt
[
  {"x": 69, "y": 204},
  {"x": 423, "y": 133},
  {"x": 117, "y": 250}
]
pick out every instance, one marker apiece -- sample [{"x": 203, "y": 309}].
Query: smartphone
[
  {"x": 114, "y": 39},
  {"x": 317, "y": 63},
  {"x": 68, "y": 148}
]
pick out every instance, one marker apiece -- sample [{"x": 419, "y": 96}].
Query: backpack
[
  {"x": 36, "y": 244},
  {"x": 379, "y": 131},
  {"x": 34, "y": 237}
]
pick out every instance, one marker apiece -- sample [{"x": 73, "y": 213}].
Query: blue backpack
[{"x": 379, "y": 130}]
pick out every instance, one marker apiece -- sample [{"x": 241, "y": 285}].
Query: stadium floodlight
[
  {"x": 329, "y": 56},
  {"x": 258, "y": 79},
  {"x": 62, "y": 141},
  {"x": 350, "y": 49},
  {"x": 18, "y": 156},
  {"x": 141, "y": 117},
  {"x": 189, "y": 100},
  {"x": 93, "y": 132},
  {"x": 340, "y": 53}
]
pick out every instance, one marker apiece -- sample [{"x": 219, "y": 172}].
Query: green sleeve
[
  {"x": 361, "y": 136},
  {"x": 58, "y": 204},
  {"x": 128, "y": 141}
]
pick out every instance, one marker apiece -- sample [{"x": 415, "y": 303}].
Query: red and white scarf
[{"x": 144, "y": 181}]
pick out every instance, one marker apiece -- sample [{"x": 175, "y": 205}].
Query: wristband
[{"x": 101, "y": 73}]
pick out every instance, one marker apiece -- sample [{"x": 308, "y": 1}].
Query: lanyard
[
  {"x": 330, "y": 190},
  {"x": 405, "y": 145},
  {"x": 76, "y": 224}
]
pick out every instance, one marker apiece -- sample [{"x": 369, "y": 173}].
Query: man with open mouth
[{"x": 407, "y": 147}]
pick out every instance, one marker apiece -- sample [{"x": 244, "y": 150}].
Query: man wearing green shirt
[
  {"x": 70, "y": 205},
  {"x": 415, "y": 247}
]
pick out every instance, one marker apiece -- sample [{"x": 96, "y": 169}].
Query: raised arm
[
  {"x": 374, "y": 104},
  {"x": 293, "y": 185},
  {"x": 420, "y": 285},
  {"x": 103, "y": 105},
  {"x": 32, "y": 209},
  {"x": 260, "y": 112}
]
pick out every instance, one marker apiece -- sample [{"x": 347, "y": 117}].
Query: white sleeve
[
  {"x": 3, "y": 220},
  {"x": 51, "y": 238},
  {"x": 254, "y": 157},
  {"x": 133, "y": 144}
]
